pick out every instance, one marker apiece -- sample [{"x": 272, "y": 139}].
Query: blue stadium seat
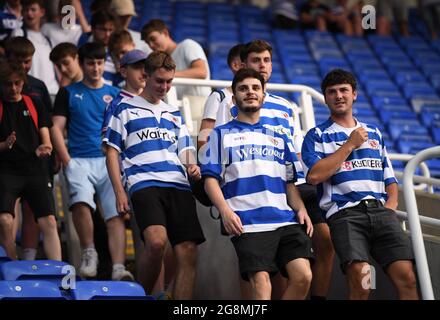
[
  {"x": 436, "y": 135},
  {"x": 109, "y": 290},
  {"x": 413, "y": 143},
  {"x": 29, "y": 290},
  {"x": 49, "y": 270},
  {"x": 396, "y": 127}
]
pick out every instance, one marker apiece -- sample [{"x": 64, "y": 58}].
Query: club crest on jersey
[
  {"x": 347, "y": 166},
  {"x": 274, "y": 141},
  {"x": 373, "y": 143},
  {"x": 107, "y": 98},
  {"x": 285, "y": 115}
]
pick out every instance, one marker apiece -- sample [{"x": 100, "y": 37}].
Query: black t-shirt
[
  {"x": 35, "y": 88},
  {"x": 21, "y": 159}
]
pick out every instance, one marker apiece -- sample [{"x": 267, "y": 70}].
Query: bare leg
[
  {"x": 116, "y": 239},
  {"x": 30, "y": 231},
  {"x": 358, "y": 286},
  {"x": 82, "y": 219},
  {"x": 186, "y": 256},
  {"x": 300, "y": 277},
  {"x": 261, "y": 286},
  {"x": 402, "y": 275},
  {"x": 323, "y": 266},
  {"x": 150, "y": 260},
  {"x": 6, "y": 234},
  {"x": 51, "y": 240}
]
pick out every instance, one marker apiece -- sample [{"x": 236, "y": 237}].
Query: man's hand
[
  {"x": 358, "y": 137},
  {"x": 232, "y": 222},
  {"x": 194, "y": 172},
  {"x": 10, "y": 140},
  {"x": 122, "y": 205},
  {"x": 303, "y": 217},
  {"x": 43, "y": 151}
]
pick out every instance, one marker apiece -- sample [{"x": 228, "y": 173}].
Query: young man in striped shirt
[
  {"x": 157, "y": 157},
  {"x": 247, "y": 179},
  {"x": 348, "y": 161}
]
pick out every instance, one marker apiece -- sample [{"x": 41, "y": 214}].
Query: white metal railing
[
  {"x": 425, "y": 181},
  {"x": 305, "y": 100},
  {"x": 414, "y": 219}
]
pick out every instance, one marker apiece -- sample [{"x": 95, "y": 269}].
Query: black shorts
[
  {"x": 271, "y": 250},
  {"x": 309, "y": 196},
  {"x": 36, "y": 190},
  {"x": 169, "y": 207},
  {"x": 369, "y": 231}
]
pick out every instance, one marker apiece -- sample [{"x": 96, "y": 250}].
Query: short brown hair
[
  {"x": 153, "y": 25},
  {"x": 338, "y": 76},
  {"x": 8, "y": 69},
  {"x": 62, "y": 50},
  {"x": 157, "y": 60},
  {"x": 244, "y": 74},
  {"x": 19, "y": 47},
  {"x": 257, "y": 46},
  {"x": 117, "y": 39},
  {"x": 27, "y": 3}
]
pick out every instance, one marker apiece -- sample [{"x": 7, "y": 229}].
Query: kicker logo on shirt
[
  {"x": 361, "y": 164},
  {"x": 155, "y": 134}
]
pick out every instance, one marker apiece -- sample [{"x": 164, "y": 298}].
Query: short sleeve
[
  {"x": 61, "y": 105},
  {"x": 312, "y": 148}
]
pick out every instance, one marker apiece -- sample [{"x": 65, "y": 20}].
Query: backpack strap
[
  {"x": 32, "y": 110},
  {"x": 220, "y": 92}
]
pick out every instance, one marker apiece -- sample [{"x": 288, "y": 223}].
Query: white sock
[
  {"x": 29, "y": 253},
  {"x": 118, "y": 266}
]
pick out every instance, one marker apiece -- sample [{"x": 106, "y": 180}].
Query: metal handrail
[{"x": 414, "y": 220}]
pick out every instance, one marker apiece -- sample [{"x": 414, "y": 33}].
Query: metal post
[{"x": 414, "y": 220}]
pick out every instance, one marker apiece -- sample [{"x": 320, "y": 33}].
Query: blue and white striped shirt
[
  {"x": 278, "y": 115},
  {"x": 150, "y": 139},
  {"x": 253, "y": 165},
  {"x": 363, "y": 175}
]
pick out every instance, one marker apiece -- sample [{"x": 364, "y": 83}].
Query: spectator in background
[
  {"x": 81, "y": 107},
  {"x": 20, "y": 50},
  {"x": 218, "y": 97},
  {"x": 10, "y": 19},
  {"x": 124, "y": 12},
  {"x": 284, "y": 14},
  {"x": 103, "y": 25},
  {"x": 33, "y": 13},
  {"x": 389, "y": 11},
  {"x": 65, "y": 57},
  {"x": 25, "y": 142},
  {"x": 190, "y": 59},
  {"x": 120, "y": 43},
  {"x": 346, "y": 19},
  {"x": 314, "y": 15},
  {"x": 57, "y": 33},
  {"x": 430, "y": 10}
]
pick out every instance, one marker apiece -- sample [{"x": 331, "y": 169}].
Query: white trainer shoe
[
  {"x": 121, "y": 274},
  {"x": 89, "y": 263}
]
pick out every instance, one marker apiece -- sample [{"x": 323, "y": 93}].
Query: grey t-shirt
[{"x": 185, "y": 53}]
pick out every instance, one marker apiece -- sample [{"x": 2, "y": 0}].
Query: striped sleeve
[
  {"x": 290, "y": 158},
  {"x": 116, "y": 134},
  {"x": 211, "y": 159},
  {"x": 311, "y": 151}
]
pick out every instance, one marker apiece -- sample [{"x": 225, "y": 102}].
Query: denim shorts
[{"x": 364, "y": 232}]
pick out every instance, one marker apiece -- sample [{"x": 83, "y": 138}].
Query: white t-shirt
[
  {"x": 42, "y": 67},
  {"x": 56, "y": 34},
  {"x": 213, "y": 102},
  {"x": 138, "y": 42},
  {"x": 186, "y": 53}
]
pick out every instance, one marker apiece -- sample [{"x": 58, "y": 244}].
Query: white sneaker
[
  {"x": 89, "y": 263},
  {"x": 121, "y": 274}
]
